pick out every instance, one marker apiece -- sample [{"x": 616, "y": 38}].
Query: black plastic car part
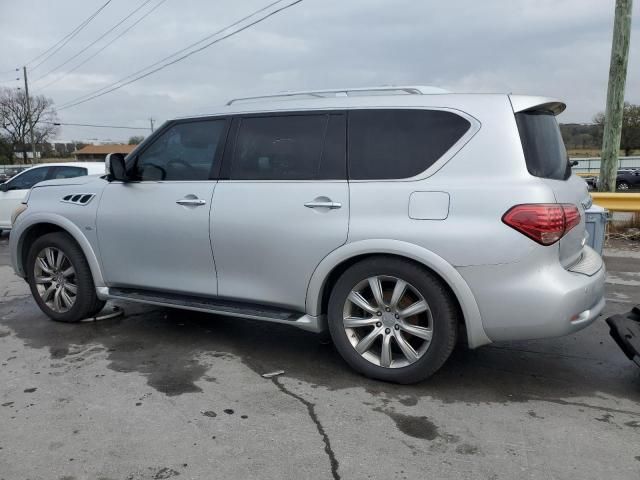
[{"x": 625, "y": 330}]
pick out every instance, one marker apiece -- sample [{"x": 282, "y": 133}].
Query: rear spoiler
[{"x": 523, "y": 103}]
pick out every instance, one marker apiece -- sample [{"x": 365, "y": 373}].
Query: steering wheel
[
  {"x": 179, "y": 161},
  {"x": 163, "y": 172}
]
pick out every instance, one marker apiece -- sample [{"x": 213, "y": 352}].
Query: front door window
[{"x": 185, "y": 151}]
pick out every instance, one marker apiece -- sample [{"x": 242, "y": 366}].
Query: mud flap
[{"x": 625, "y": 330}]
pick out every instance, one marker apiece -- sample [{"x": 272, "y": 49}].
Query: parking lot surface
[{"x": 161, "y": 393}]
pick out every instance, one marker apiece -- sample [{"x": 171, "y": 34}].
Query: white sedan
[{"x": 13, "y": 191}]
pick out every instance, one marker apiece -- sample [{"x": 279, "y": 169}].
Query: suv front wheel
[
  {"x": 60, "y": 279},
  {"x": 392, "y": 320}
]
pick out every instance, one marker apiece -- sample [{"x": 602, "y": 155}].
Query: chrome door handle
[
  {"x": 330, "y": 205},
  {"x": 191, "y": 202}
]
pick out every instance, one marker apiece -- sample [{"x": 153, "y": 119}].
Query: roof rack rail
[{"x": 344, "y": 92}]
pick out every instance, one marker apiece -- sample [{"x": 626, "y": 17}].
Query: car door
[
  {"x": 14, "y": 191},
  {"x": 153, "y": 231},
  {"x": 281, "y": 205}
]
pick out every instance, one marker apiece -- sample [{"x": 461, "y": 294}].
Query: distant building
[{"x": 97, "y": 153}]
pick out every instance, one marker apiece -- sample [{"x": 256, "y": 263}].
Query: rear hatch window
[
  {"x": 544, "y": 150},
  {"x": 547, "y": 158}
]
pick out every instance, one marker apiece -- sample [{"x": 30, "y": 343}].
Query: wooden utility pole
[
  {"x": 26, "y": 92},
  {"x": 151, "y": 120},
  {"x": 615, "y": 96}
]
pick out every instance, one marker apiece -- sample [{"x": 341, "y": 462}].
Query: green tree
[{"x": 630, "y": 137}]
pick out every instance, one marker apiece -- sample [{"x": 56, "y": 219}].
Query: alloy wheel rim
[
  {"x": 623, "y": 186},
  {"x": 55, "y": 279},
  {"x": 387, "y": 321}
]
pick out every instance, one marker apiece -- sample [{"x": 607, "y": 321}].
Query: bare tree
[
  {"x": 136, "y": 139},
  {"x": 14, "y": 119}
]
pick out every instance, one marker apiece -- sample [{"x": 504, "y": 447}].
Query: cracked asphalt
[{"x": 161, "y": 393}]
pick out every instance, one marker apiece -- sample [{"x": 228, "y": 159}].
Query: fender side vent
[{"x": 78, "y": 198}]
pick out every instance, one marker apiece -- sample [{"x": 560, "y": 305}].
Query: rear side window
[
  {"x": 392, "y": 144},
  {"x": 290, "y": 147},
  {"x": 544, "y": 150},
  {"x": 68, "y": 172}
]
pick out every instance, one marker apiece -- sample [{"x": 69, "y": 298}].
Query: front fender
[
  {"x": 26, "y": 221},
  {"x": 476, "y": 335}
]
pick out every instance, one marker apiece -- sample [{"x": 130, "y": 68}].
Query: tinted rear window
[
  {"x": 68, "y": 172},
  {"x": 389, "y": 144},
  {"x": 544, "y": 150}
]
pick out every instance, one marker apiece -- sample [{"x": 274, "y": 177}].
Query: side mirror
[
  {"x": 115, "y": 167},
  {"x": 4, "y": 187},
  {"x": 574, "y": 163}
]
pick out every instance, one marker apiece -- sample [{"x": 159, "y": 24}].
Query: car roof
[
  {"x": 68, "y": 164},
  {"x": 372, "y": 97},
  {"x": 92, "y": 167}
]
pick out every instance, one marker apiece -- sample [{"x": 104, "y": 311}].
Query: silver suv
[{"x": 399, "y": 219}]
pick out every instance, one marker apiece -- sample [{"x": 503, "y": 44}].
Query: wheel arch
[
  {"x": 334, "y": 264},
  {"x": 38, "y": 225}
]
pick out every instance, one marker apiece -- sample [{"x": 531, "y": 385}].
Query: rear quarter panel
[{"x": 483, "y": 180}]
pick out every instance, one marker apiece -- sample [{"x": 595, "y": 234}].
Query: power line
[
  {"x": 121, "y": 83},
  {"x": 175, "y": 53},
  {"x": 95, "y": 126},
  {"x": 84, "y": 49},
  {"x": 56, "y": 80},
  {"x": 56, "y": 47}
]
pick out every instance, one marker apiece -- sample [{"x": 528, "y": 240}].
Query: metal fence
[{"x": 592, "y": 165}]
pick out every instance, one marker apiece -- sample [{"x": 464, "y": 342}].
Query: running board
[{"x": 220, "y": 307}]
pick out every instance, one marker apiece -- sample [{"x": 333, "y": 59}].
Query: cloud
[{"x": 553, "y": 47}]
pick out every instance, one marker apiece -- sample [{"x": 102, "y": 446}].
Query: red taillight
[
  {"x": 546, "y": 223},
  {"x": 571, "y": 216}
]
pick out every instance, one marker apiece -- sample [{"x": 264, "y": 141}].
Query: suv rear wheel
[
  {"x": 623, "y": 186},
  {"x": 60, "y": 279},
  {"x": 392, "y": 320}
]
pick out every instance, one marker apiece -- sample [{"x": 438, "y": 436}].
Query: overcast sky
[{"x": 558, "y": 48}]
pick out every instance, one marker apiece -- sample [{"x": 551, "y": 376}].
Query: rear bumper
[{"x": 535, "y": 299}]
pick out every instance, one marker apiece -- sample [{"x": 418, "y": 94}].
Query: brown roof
[{"x": 104, "y": 149}]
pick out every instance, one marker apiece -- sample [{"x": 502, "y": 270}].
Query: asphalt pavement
[{"x": 162, "y": 393}]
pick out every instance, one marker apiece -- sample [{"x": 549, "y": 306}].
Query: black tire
[
  {"x": 623, "y": 186},
  {"x": 86, "y": 302},
  {"x": 441, "y": 303},
  {"x": 97, "y": 307}
]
